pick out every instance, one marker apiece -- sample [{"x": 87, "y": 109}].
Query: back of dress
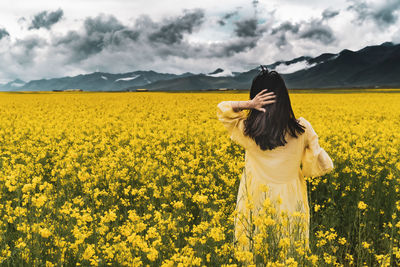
[
  {"x": 278, "y": 169},
  {"x": 279, "y": 165}
]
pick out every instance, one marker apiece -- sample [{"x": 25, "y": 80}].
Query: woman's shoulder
[
  {"x": 303, "y": 121},
  {"x": 307, "y": 125}
]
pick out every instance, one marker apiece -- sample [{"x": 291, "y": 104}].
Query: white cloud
[
  {"x": 127, "y": 78},
  {"x": 284, "y": 69}
]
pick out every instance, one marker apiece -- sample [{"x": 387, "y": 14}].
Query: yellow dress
[{"x": 279, "y": 169}]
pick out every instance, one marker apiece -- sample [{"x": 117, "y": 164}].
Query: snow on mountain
[
  {"x": 127, "y": 78},
  {"x": 334, "y": 57},
  {"x": 16, "y": 84},
  {"x": 285, "y": 69}
]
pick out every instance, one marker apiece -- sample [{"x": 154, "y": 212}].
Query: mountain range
[{"x": 372, "y": 66}]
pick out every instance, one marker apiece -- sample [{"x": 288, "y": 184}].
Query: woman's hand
[{"x": 262, "y": 99}]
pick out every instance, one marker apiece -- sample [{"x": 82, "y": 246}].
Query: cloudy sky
[{"x": 54, "y": 38}]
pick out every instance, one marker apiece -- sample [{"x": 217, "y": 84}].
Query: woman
[{"x": 279, "y": 151}]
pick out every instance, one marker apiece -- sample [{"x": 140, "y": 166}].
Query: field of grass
[{"x": 150, "y": 179}]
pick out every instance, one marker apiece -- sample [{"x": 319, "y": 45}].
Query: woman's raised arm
[{"x": 260, "y": 100}]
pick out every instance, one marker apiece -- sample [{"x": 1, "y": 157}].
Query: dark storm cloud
[
  {"x": 102, "y": 24},
  {"x": 249, "y": 27},
  {"x": 246, "y": 37},
  {"x": 246, "y": 28},
  {"x": 318, "y": 32},
  {"x": 45, "y": 19},
  {"x": 233, "y": 47},
  {"x": 3, "y": 33},
  {"x": 124, "y": 34},
  {"x": 105, "y": 32},
  {"x": 226, "y": 17},
  {"x": 386, "y": 14},
  {"x": 286, "y": 26},
  {"x": 315, "y": 29},
  {"x": 172, "y": 31},
  {"x": 361, "y": 9},
  {"x": 81, "y": 46},
  {"x": 99, "y": 32},
  {"x": 328, "y": 13},
  {"x": 247, "y": 33}
]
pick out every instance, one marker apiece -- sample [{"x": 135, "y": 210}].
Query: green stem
[{"x": 359, "y": 238}]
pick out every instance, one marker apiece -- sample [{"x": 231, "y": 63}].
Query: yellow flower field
[{"x": 150, "y": 179}]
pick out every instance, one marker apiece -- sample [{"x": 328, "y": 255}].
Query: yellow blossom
[{"x": 362, "y": 205}]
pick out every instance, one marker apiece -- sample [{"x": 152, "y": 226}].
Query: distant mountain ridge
[
  {"x": 371, "y": 66},
  {"x": 96, "y": 81}
]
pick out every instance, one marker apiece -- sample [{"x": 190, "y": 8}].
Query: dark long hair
[{"x": 268, "y": 129}]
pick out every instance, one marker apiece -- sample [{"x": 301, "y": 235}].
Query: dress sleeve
[
  {"x": 233, "y": 122},
  {"x": 315, "y": 160}
]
